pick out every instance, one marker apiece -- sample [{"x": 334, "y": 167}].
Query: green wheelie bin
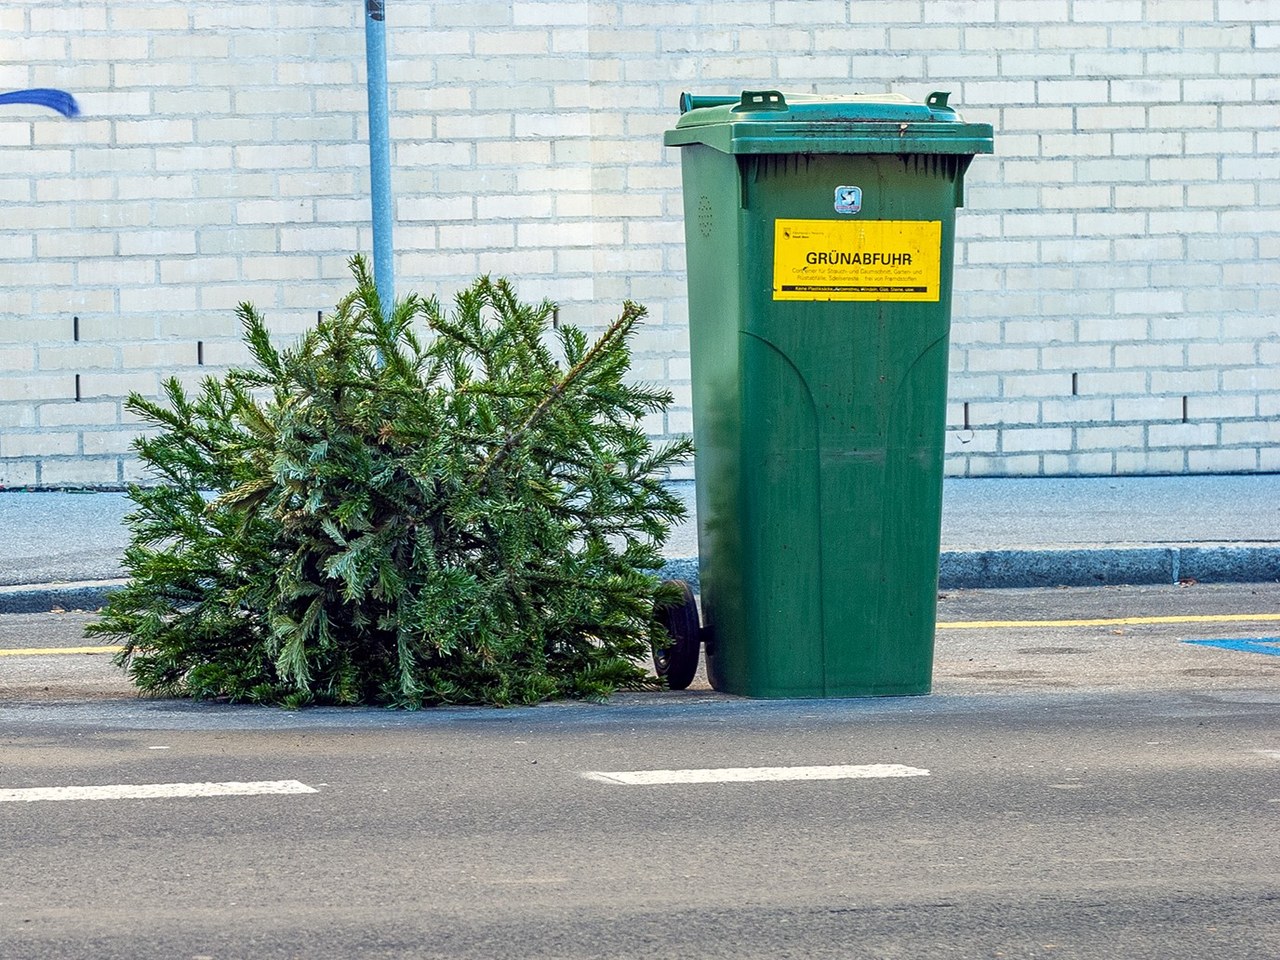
[{"x": 819, "y": 234}]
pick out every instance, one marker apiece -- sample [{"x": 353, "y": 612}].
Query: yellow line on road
[
  {"x": 1111, "y": 621},
  {"x": 56, "y": 651},
  {"x": 941, "y": 625}
]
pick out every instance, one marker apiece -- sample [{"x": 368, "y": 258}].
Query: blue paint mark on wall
[
  {"x": 1268, "y": 645},
  {"x": 58, "y": 100}
]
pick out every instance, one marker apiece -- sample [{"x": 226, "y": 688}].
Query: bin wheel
[{"x": 678, "y": 662}]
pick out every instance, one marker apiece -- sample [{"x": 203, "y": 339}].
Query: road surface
[{"x": 1084, "y": 783}]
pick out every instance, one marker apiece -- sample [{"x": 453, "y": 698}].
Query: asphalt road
[{"x": 1096, "y": 789}]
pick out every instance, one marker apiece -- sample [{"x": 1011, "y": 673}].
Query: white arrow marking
[
  {"x": 154, "y": 791},
  {"x": 644, "y": 778}
]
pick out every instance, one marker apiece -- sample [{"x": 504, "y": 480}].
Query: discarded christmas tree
[{"x": 466, "y": 513}]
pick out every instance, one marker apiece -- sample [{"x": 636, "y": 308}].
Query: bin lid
[{"x": 766, "y": 121}]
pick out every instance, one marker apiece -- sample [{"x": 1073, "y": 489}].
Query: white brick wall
[{"x": 1117, "y": 302}]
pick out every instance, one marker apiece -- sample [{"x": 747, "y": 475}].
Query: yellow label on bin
[{"x": 857, "y": 259}]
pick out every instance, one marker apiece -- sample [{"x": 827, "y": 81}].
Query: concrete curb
[
  {"x": 43, "y": 597},
  {"x": 1083, "y": 567},
  {"x": 957, "y": 570},
  {"x": 1107, "y": 566}
]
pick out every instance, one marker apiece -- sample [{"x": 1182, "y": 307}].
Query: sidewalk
[{"x": 64, "y": 549}]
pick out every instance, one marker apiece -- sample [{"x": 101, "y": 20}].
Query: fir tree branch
[{"x": 631, "y": 313}]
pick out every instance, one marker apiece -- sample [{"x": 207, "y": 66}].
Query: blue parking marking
[{"x": 1268, "y": 645}]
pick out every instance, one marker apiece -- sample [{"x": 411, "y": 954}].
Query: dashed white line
[
  {"x": 645, "y": 778},
  {"x": 156, "y": 791}
]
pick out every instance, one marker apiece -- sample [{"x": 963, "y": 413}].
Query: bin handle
[
  {"x": 693, "y": 101},
  {"x": 937, "y": 102},
  {"x": 749, "y": 100},
  {"x": 753, "y": 100}
]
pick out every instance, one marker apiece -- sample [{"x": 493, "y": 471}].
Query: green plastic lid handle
[
  {"x": 690, "y": 101},
  {"x": 753, "y": 100},
  {"x": 937, "y": 102},
  {"x": 749, "y": 101}
]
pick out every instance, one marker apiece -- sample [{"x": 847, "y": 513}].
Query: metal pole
[{"x": 375, "y": 48}]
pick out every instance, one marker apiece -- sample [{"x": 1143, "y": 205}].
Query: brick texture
[{"x": 1117, "y": 305}]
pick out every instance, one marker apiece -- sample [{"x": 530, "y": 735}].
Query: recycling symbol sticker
[{"x": 848, "y": 199}]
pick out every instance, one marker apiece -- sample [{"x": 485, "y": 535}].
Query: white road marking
[
  {"x": 151, "y": 791},
  {"x": 1273, "y": 754},
  {"x": 644, "y": 778}
]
